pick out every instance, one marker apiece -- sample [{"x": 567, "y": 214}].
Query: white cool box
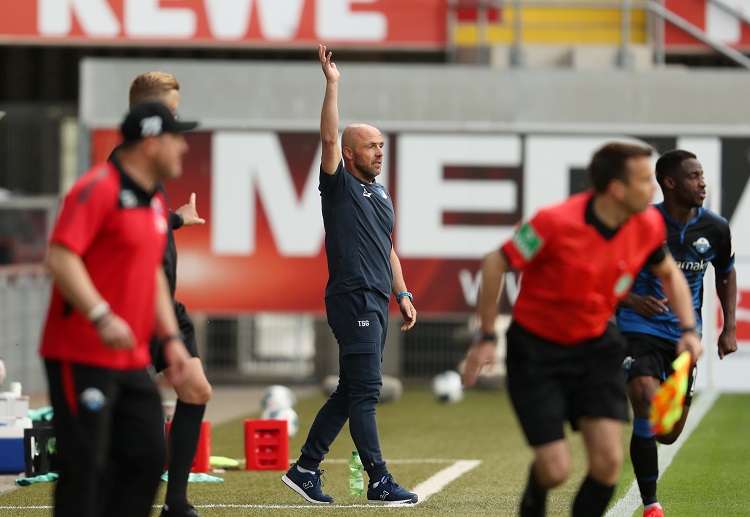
[{"x": 14, "y": 418}]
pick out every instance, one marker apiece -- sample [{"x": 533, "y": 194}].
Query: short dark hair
[
  {"x": 608, "y": 163},
  {"x": 669, "y": 162}
]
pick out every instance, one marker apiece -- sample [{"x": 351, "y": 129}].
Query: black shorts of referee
[{"x": 550, "y": 383}]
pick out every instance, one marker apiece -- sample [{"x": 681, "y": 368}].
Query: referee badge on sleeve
[{"x": 527, "y": 241}]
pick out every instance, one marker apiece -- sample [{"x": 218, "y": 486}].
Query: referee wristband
[
  {"x": 405, "y": 293},
  {"x": 98, "y": 311},
  {"x": 693, "y": 329}
]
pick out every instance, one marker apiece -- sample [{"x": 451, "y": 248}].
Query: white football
[
  {"x": 283, "y": 413},
  {"x": 447, "y": 387},
  {"x": 277, "y": 396}
]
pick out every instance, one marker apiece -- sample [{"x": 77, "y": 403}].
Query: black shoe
[
  {"x": 308, "y": 485},
  {"x": 390, "y": 492},
  {"x": 184, "y": 511}
]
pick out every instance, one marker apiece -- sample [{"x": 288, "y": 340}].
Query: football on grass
[
  {"x": 277, "y": 396},
  {"x": 447, "y": 387}
]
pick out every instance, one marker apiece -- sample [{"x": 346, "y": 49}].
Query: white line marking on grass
[
  {"x": 395, "y": 462},
  {"x": 424, "y": 490},
  {"x": 630, "y": 502},
  {"x": 437, "y": 482},
  {"x": 26, "y": 507}
]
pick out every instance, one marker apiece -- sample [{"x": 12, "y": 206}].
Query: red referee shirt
[
  {"x": 120, "y": 232},
  {"x": 573, "y": 276}
]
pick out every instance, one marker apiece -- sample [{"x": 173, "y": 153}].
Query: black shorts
[
  {"x": 188, "y": 334},
  {"x": 549, "y": 383},
  {"x": 652, "y": 356}
]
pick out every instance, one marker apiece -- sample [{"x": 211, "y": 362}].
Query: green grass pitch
[{"x": 709, "y": 475}]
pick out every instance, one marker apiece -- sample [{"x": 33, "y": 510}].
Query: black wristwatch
[{"x": 487, "y": 336}]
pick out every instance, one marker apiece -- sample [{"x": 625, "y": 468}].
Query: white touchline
[
  {"x": 632, "y": 500},
  {"x": 424, "y": 490},
  {"x": 437, "y": 482},
  {"x": 402, "y": 462}
]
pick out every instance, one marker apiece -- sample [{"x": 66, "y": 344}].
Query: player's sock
[
  {"x": 183, "y": 442},
  {"x": 303, "y": 469},
  {"x": 534, "y": 500},
  {"x": 691, "y": 386},
  {"x": 592, "y": 499},
  {"x": 645, "y": 459}
]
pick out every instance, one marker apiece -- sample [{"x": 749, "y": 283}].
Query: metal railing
[{"x": 658, "y": 16}]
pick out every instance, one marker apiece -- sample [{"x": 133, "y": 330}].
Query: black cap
[{"x": 151, "y": 119}]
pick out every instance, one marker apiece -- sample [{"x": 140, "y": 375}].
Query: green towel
[
  {"x": 221, "y": 462},
  {"x": 43, "y": 414},
  {"x": 196, "y": 478},
  {"x": 52, "y": 476}
]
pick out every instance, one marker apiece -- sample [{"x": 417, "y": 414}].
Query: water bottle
[{"x": 356, "y": 481}]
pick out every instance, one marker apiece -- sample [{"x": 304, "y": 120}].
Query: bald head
[
  {"x": 362, "y": 147},
  {"x": 354, "y": 134}
]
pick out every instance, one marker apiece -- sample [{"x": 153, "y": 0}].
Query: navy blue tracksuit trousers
[{"x": 359, "y": 320}]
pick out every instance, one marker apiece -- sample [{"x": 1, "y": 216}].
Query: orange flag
[{"x": 666, "y": 406}]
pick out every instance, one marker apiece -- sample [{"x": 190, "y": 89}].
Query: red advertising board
[
  {"x": 743, "y": 315},
  {"x": 269, "y": 279},
  {"x": 710, "y": 19},
  {"x": 452, "y": 200},
  {"x": 241, "y": 23}
]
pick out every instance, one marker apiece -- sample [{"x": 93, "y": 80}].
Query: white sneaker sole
[
  {"x": 394, "y": 503},
  {"x": 294, "y": 486}
]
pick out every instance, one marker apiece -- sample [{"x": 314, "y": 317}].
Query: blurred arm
[{"x": 72, "y": 279}]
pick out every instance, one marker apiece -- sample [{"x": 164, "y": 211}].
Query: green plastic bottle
[{"x": 356, "y": 480}]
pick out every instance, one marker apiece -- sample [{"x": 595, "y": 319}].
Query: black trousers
[{"x": 110, "y": 440}]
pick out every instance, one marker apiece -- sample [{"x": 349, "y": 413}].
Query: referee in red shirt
[
  {"x": 109, "y": 296},
  {"x": 564, "y": 358}
]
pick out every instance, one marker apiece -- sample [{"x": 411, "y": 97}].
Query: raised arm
[
  {"x": 329, "y": 116},
  {"x": 680, "y": 299},
  {"x": 726, "y": 289},
  {"x": 494, "y": 267}
]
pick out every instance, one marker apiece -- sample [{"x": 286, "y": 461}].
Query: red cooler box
[{"x": 202, "y": 462}]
